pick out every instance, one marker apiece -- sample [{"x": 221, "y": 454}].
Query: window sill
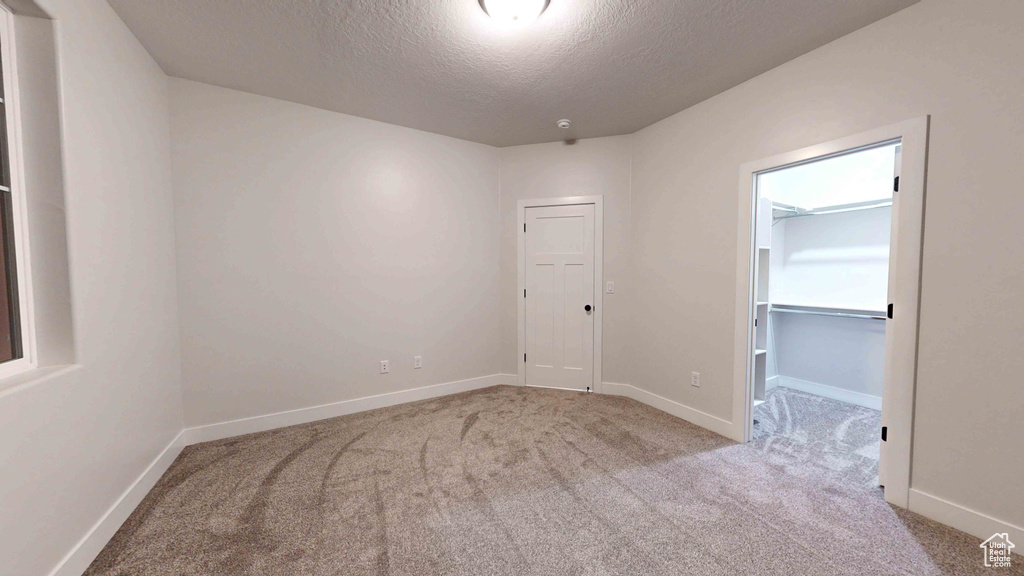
[{"x": 33, "y": 376}]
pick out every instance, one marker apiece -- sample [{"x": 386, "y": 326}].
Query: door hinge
[
  {"x": 896, "y": 184},
  {"x": 755, "y": 322},
  {"x": 524, "y": 292},
  {"x": 888, "y": 312},
  {"x": 524, "y": 227},
  {"x": 885, "y": 433},
  {"x": 524, "y": 357}
]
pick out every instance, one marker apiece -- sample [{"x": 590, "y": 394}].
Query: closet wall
[
  {"x": 832, "y": 260},
  {"x": 835, "y": 261}
]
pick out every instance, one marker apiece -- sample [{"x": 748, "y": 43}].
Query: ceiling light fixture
[{"x": 514, "y": 12}]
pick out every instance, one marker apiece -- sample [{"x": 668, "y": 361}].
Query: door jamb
[
  {"x": 898, "y": 398},
  {"x": 598, "y": 202}
]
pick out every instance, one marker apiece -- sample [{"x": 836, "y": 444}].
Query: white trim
[
  {"x": 598, "y": 202},
  {"x": 826, "y": 391},
  {"x": 19, "y": 216},
  {"x": 34, "y": 377},
  {"x": 964, "y": 519},
  {"x": 82, "y": 555},
  {"x": 558, "y": 388},
  {"x": 692, "y": 415},
  {"x": 901, "y": 338},
  {"x": 266, "y": 422}
]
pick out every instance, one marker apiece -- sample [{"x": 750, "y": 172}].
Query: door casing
[
  {"x": 901, "y": 349},
  {"x": 598, "y": 202}
]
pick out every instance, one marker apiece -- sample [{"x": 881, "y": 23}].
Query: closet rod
[
  {"x": 798, "y": 212},
  {"x": 828, "y": 312}
]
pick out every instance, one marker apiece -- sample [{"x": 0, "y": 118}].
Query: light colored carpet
[
  {"x": 810, "y": 435},
  {"x": 511, "y": 480}
]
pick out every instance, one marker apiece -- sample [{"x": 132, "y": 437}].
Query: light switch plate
[
  {"x": 417, "y": 362},
  {"x": 610, "y": 288}
]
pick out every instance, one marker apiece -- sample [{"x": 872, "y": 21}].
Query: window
[
  {"x": 854, "y": 179},
  {"x": 10, "y": 324},
  {"x": 15, "y": 346}
]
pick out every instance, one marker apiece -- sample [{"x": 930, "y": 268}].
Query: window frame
[{"x": 19, "y": 215}]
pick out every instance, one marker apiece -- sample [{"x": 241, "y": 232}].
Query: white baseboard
[
  {"x": 770, "y": 383},
  {"x": 702, "y": 419},
  {"x": 266, "y": 422},
  {"x": 964, "y": 519},
  {"x": 83, "y": 553},
  {"x": 848, "y": 396},
  {"x": 558, "y": 388},
  {"x": 514, "y": 381}
]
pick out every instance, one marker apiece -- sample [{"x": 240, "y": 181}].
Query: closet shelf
[
  {"x": 760, "y": 351},
  {"x": 797, "y": 212},
  {"x": 826, "y": 311}
]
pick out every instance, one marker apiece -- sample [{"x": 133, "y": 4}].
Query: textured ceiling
[{"x": 611, "y": 66}]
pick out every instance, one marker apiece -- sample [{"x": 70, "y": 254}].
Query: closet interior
[{"x": 822, "y": 273}]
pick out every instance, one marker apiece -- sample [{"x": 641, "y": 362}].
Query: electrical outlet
[
  {"x": 385, "y": 367},
  {"x": 417, "y": 362},
  {"x": 695, "y": 379},
  {"x": 610, "y": 288}
]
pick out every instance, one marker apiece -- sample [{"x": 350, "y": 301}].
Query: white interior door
[
  {"x": 559, "y": 318},
  {"x": 890, "y": 327}
]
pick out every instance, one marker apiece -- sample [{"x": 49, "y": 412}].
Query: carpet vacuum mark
[{"x": 510, "y": 480}]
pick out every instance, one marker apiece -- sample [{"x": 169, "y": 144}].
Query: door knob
[{"x": 587, "y": 308}]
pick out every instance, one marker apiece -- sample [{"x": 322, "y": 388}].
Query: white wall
[
  {"x": 73, "y": 442},
  {"x": 313, "y": 244},
  {"x": 836, "y": 260},
  {"x": 599, "y": 166},
  {"x": 844, "y": 353},
  {"x": 954, "y": 59}
]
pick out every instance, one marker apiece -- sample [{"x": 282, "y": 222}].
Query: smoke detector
[{"x": 563, "y": 124}]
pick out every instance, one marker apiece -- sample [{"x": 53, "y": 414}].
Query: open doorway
[
  {"x": 823, "y": 237},
  {"x": 827, "y": 304}
]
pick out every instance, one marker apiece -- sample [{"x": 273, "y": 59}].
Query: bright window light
[
  {"x": 514, "y": 12},
  {"x": 856, "y": 178}
]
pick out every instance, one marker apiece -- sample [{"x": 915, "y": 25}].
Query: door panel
[
  {"x": 544, "y": 315},
  {"x": 575, "y": 299},
  {"x": 559, "y": 285},
  {"x": 560, "y": 235}
]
